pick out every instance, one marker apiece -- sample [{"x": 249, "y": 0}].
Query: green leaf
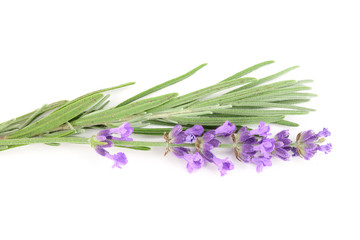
[
  {"x": 251, "y": 112},
  {"x": 116, "y": 114},
  {"x": 247, "y": 71},
  {"x": 265, "y": 79},
  {"x": 99, "y": 104},
  {"x": 53, "y": 144},
  {"x": 3, "y": 148},
  {"x": 58, "y": 117},
  {"x": 151, "y": 131},
  {"x": 241, "y": 104},
  {"x": 161, "y": 86},
  {"x": 102, "y": 90},
  {"x": 217, "y": 121},
  {"x": 291, "y": 101},
  {"x": 33, "y": 116},
  {"x": 287, "y": 123},
  {"x": 6, "y": 125},
  {"x": 243, "y": 94},
  {"x": 272, "y": 97},
  {"x": 190, "y": 97},
  {"x": 61, "y": 133}
]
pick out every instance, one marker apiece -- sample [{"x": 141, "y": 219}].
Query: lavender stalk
[{"x": 247, "y": 101}]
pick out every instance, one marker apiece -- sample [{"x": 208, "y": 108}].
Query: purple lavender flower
[
  {"x": 206, "y": 143},
  {"x": 223, "y": 165},
  {"x": 103, "y": 140},
  {"x": 176, "y": 135},
  {"x": 194, "y": 161},
  {"x": 262, "y": 130},
  {"x": 245, "y": 142},
  {"x": 179, "y": 152},
  {"x": 308, "y": 143},
  {"x": 265, "y": 147},
  {"x": 226, "y": 129},
  {"x": 325, "y": 148},
  {"x": 324, "y": 133},
  {"x": 282, "y": 145},
  {"x": 261, "y": 162},
  {"x": 194, "y": 132},
  {"x": 254, "y": 146}
]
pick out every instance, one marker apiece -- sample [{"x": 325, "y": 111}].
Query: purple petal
[
  {"x": 324, "y": 133},
  {"x": 282, "y": 154},
  {"x": 101, "y": 138},
  {"x": 259, "y": 168},
  {"x": 266, "y": 147},
  {"x": 325, "y": 148},
  {"x": 196, "y": 130},
  {"x": 209, "y": 135},
  {"x": 104, "y": 132},
  {"x": 281, "y": 135},
  {"x": 190, "y": 138},
  {"x": 262, "y": 130},
  {"x": 214, "y": 142},
  {"x": 206, "y": 154},
  {"x": 223, "y": 165},
  {"x": 176, "y": 135},
  {"x": 124, "y": 130},
  {"x": 226, "y": 129},
  {"x": 180, "y": 151},
  {"x": 245, "y": 136},
  {"x": 195, "y": 161},
  {"x": 261, "y": 161},
  {"x": 119, "y": 159},
  {"x": 193, "y": 132},
  {"x": 100, "y": 150},
  {"x": 308, "y": 136},
  {"x": 175, "y": 131},
  {"x": 179, "y": 138},
  {"x": 189, "y": 167}
]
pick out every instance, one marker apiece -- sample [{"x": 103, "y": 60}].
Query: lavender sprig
[
  {"x": 200, "y": 121},
  {"x": 247, "y": 101},
  {"x": 250, "y": 146}
]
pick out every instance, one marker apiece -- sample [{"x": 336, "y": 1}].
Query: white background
[{"x": 54, "y": 50}]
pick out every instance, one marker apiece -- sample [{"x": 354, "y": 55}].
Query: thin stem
[
  {"x": 24, "y": 141},
  {"x": 81, "y": 140},
  {"x": 162, "y": 144}
]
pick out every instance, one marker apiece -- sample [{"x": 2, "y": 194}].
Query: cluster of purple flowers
[
  {"x": 250, "y": 146},
  {"x": 104, "y": 137},
  {"x": 203, "y": 144}
]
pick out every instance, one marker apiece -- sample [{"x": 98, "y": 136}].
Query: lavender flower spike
[
  {"x": 245, "y": 142},
  {"x": 282, "y": 145},
  {"x": 205, "y": 144},
  {"x": 308, "y": 143},
  {"x": 103, "y": 140},
  {"x": 176, "y": 136}
]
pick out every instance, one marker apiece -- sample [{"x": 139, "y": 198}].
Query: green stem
[
  {"x": 81, "y": 140},
  {"x": 161, "y": 144}
]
